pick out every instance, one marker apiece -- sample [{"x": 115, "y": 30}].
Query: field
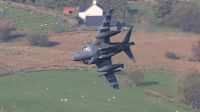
[
  {"x": 27, "y": 20},
  {"x": 27, "y": 92},
  {"x": 16, "y": 55}
]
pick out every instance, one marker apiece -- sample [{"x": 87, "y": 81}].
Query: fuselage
[{"x": 92, "y": 52}]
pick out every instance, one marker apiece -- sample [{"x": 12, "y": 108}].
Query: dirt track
[{"x": 149, "y": 52}]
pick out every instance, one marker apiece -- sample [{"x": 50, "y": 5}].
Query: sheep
[
  {"x": 62, "y": 99},
  {"x": 113, "y": 97},
  {"x": 47, "y": 88},
  {"x": 51, "y": 23},
  {"x": 95, "y": 82},
  {"x": 10, "y": 9},
  {"x": 83, "y": 96},
  {"x": 56, "y": 23},
  {"x": 6, "y": 7},
  {"x": 41, "y": 25},
  {"x": 22, "y": 21},
  {"x": 109, "y": 99},
  {"x": 45, "y": 24},
  {"x": 66, "y": 99}
]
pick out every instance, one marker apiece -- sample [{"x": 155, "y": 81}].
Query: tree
[
  {"x": 191, "y": 88},
  {"x": 136, "y": 77},
  {"x": 5, "y": 32},
  {"x": 185, "y": 15},
  {"x": 162, "y": 8},
  {"x": 38, "y": 39}
]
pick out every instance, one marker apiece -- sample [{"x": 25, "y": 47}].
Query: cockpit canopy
[{"x": 86, "y": 49}]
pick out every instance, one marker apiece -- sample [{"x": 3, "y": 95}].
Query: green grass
[
  {"x": 31, "y": 20},
  {"x": 73, "y": 16},
  {"x": 27, "y": 91},
  {"x": 160, "y": 82},
  {"x": 145, "y": 7},
  {"x": 153, "y": 28},
  {"x": 196, "y": 1}
]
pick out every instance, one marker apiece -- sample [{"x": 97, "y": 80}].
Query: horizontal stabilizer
[
  {"x": 129, "y": 53},
  {"x": 128, "y": 35},
  {"x": 110, "y": 12}
]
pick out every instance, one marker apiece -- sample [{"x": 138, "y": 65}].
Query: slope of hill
[
  {"x": 17, "y": 55},
  {"x": 84, "y": 91},
  {"x": 29, "y": 18}
]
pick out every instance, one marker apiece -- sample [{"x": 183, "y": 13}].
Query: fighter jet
[{"x": 100, "y": 50}]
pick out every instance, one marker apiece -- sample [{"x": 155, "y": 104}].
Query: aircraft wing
[
  {"x": 110, "y": 76},
  {"x": 105, "y": 27}
]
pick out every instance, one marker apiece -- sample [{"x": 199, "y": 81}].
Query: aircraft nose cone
[{"x": 73, "y": 58}]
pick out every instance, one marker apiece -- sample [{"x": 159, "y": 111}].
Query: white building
[{"x": 94, "y": 9}]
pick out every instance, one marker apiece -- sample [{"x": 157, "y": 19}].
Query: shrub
[
  {"x": 5, "y": 32},
  {"x": 196, "y": 50},
  {"x": 191, "y": 88},
  {"x": 38, "y": 39},
  {"x": 136, "y": 77},
  {"x": 171, "y": 55},
  {"x": 192, "y": 59}
]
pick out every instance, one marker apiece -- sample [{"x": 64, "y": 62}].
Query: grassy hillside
[
  {"x": 31, "y": 21},
  {"x": 147, "y": 8},
  {"x": 27, "y": 92},
  {"x": 196, "y": 1}
]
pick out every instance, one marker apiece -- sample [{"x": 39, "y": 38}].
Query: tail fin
[
  {"x": 128, "y": 35},
  {"x": 129, "y": 53}
]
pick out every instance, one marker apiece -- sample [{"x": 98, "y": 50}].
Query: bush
[
  {"x": 5, "y": 32},
  {"x": 191, "y": 88},
  {"x": 196, "y": 50},
  {"x": 171, "y": 55},
  {"x": 38, "y": 39},
  {"x": 136, "y": 77},
  {"x": 162, "y": 8}
]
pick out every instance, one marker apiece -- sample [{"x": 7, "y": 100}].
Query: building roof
[
  {"x": 100, "y": 6},
  {"x": 97, "y": 20},
  {"x": 66, "y": 10},
  {"x": 83, "y": 8}
]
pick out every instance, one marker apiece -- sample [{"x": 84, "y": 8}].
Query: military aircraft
[{"x": 100, "y": 50}]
